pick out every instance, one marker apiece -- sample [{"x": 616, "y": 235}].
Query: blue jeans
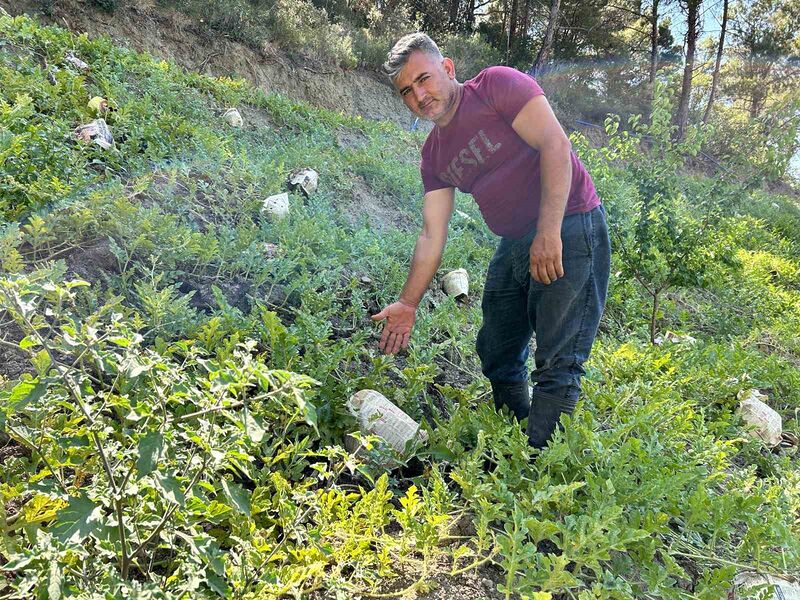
[{"x": 564, "y": 315}]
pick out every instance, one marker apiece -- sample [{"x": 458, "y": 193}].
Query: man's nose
[{"x": 420, "y": 93}]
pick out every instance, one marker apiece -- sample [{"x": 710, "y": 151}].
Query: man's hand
[
  {"x": 546, "y": 264},
  {"x": 400, "y": 319}
]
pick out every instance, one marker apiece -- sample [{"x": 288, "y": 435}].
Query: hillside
[
  {"x": 174, "y": 36},
  {"x": 175, "y": 365}
]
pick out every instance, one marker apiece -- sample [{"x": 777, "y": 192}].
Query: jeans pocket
[
  {"x": 576, "y": 235},
  {"x": 499, "y": 275}
]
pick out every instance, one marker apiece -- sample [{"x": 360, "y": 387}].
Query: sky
[{"x": 711, "y": 14}]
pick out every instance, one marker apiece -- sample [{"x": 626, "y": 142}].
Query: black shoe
[
  {"x": 515, "y": 395},
  {"x": 546, "y": 410}
]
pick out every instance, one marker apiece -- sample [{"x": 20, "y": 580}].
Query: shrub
[{"x": 470, "y": 53}]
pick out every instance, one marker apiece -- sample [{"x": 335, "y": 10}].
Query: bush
[
  {"x": 470, "y": 53},
  {"x": 761, "y": 148},
  {"x": 301, "y": 25}
]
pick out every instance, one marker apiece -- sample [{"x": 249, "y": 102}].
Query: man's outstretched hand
[{"x": 400, "y": 319}]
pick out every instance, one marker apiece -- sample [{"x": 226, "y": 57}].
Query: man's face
[{"x": 427, "y": 85}]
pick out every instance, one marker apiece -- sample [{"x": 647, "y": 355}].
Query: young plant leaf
[
  {"x": 237, "y": 496},
  {"x": 150, "y": 448},
  {"x": 80, "y": 518}
]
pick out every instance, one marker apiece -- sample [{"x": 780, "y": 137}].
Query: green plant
[
  {"x": 213, "y": 377},
  {"x": 128, "y": 437},
  {"x": 669, "y": 234}
]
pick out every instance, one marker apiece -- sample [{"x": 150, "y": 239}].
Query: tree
[
  {"x": 715, "y": 76},
  {"x": 667, "y": 236},
  {"x": 692, "y": 12},
  {"x": 512, "y": 29},
  {"x": 765, "y": 39},
  {"x": 547, "y": 43},
  {"x": 654, "y": 42}
]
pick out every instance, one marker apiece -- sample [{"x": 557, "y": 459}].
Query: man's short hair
[{"x": 398, "y": 56}]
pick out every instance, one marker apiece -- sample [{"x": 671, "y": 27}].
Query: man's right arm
[{"x": 437, "y": 208}]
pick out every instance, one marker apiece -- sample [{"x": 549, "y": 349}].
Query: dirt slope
[{"x": 174, "y": 36}]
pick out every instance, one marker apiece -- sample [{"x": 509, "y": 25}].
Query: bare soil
[
  {"x": 13, "y": 361},
  {"x": 171, "y": 35},
  {"x": 380, "y": 212}
]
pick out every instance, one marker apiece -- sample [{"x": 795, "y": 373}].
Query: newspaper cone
[
  {"x": 767, "y": 424},
  {"x": 306, "y": 179},
  {"x": 783, "y": 589},
  {"x": 456, "y": 284},
  {"x": 75, "y": 61},
  {"x": 277, "y": 206},
  {"x": 378, "y": 416},
  {"x": 97, "y": 131},
  {"x": 233, "y": 117}
]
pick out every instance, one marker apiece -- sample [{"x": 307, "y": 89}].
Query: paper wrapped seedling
[
  {"x": 233, "y": 117},
  {"x": 75, "y": 61},
  {"x": 377, "y": 415},
  {"x": 456, "y": 284},
  {"x": 97, "y": 131},
  {"x": 783, "y": 589},
  {"x": 277, "y": 206},
  {"x": 765, "y": 423},
  {"x": 306, "y": 180}
]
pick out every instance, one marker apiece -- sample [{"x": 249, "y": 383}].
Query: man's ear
[{"x": 449, "y": 68}]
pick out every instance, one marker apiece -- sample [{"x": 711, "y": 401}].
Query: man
[{"x": 496, "y": 137}]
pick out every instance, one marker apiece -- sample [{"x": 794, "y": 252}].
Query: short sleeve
[
  {"x": 507, "y": 90},
  {"x": 431, "y": 181}
]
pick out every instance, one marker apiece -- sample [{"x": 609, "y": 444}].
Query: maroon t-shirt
[{"x": 480, "y": 153}]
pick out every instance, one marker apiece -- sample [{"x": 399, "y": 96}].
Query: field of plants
[{"x": 174, "y": 366}]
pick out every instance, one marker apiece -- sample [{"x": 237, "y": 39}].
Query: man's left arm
[{"x": 538, "y": 126}]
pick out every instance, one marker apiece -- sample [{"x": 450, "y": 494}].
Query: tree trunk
[
  {"x": 524, "y": 22},
  {"x": 469, "y": 21},
  {"x": 686, "y": 88},
  {"x": 654, "y": 317},
  {"x": 453, "y": 14},
  {"x": 547, "y": 44},
  {"x": 757, "y": 99},
  {"x": 512, "y": 30},
  {"x": 715, "y": 77},
  {"x": 654, "y": 43}
]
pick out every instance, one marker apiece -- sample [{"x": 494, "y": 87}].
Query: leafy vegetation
[{"x": 174, "y": 367}]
